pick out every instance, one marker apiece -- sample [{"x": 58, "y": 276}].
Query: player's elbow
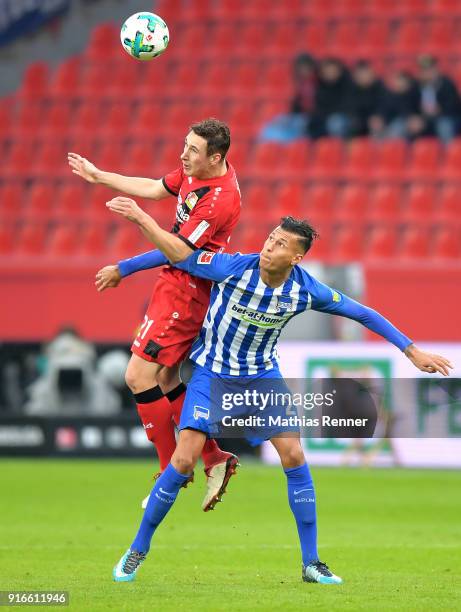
[{"x": 180, "y": 253}]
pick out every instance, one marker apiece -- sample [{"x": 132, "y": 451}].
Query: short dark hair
[
  {"x": 305, "y": 232},
  {"x": 216, "y": 133}
]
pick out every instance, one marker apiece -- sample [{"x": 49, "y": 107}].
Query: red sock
[
  {"x": 154, "y": 410},
  {"x": 176, "y": 398},
  {"x": 211, "y": 454}
]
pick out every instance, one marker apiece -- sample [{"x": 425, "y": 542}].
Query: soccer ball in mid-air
[{"x": 144, "y": 36}]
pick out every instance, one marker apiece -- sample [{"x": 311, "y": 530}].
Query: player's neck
[
  {"x": 220, "y": 170},
  {"x": 274, "y": 279}
]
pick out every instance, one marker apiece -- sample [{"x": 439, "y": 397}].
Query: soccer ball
[{"x": 144, "y": 36}]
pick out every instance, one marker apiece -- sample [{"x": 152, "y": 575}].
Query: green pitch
[{"x": 393, "y": 536}]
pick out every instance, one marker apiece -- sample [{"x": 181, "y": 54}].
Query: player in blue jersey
[{"x": 252, "y": 298}]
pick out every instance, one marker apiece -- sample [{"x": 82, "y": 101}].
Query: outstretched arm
[
  {"x": 132, "y": 185},
  {"x": 111, "y": 276},
  {"x": 325, "y": 299},
  {"x": 171, "y": 246}
]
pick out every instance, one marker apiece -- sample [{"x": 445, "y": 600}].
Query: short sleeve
[
  {"x": 173, "y": 181},
  {"x": 208, "y": 216}
]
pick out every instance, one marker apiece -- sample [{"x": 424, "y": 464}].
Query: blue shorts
[{"x": 231, "y": 406}]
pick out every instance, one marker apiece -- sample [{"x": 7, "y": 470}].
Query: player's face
[
  {"x": 195, "y": 161},
  {"x": 280, "y": 251}
]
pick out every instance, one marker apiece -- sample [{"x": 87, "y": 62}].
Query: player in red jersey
[{"x": 208, "y": 208}]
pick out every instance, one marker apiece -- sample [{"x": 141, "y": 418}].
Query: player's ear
[
  {"x": 296, "y": 259},
  {"x": 216, "y": 158}
]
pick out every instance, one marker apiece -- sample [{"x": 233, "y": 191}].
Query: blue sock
[
  {"x": 301, "y": 497},
  {"x": 161, "y": 499}
]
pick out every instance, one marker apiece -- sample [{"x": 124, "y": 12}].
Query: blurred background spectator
[
  {"x": 439, "y": 103},
  {"x": 365, "y": 92},
  {"x": 330, "y": 116},
  {"x": 398, "y": 102}
]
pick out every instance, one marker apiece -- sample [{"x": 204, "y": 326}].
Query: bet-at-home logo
[{"x": 260, "y": 319}]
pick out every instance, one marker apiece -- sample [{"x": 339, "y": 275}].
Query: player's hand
[
  {"x": 108, "y": 277},
  {"x": 126, "y": 207},
  {"x": 82, "y": 167},
  {"x": 428, "y": 362}
]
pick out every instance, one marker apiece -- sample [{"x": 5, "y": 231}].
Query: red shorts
[{"x": 172, "y": 321}]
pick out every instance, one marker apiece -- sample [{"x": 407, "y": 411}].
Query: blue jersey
[{"x": 245, "y": 316}]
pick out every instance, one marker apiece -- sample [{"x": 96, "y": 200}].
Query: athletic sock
[
  {"x": 301, "y": 497},
  {"x": 154, "y": 410},
  {"x": 176, "y": 398},
  {"x": 161, "y": 499},
  {"x": 211, "y": 454}
]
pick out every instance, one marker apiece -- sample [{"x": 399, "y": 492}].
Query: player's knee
[
  {"x": 183, "y": 462},
  {"x": 293, "y": 455}
]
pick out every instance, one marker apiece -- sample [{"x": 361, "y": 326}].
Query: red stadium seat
[
  {"x": 28, "y": 120},
  {"x": 51, "y": 161},
  {"x": 447, "y": 244},
  {"x": 276, "y": 80},
  {"x": 352, "y": 204},
  {"x": 93, "y": 240},
  {"x": 420, "y": 204},
  {"x": 117, "y": 123},
  {"x": 64, "y": 241},
  {"x": 319, "y": 203},
  {"x": 141, "y": 160},
  {"x": 327, "y": 159},
  {"x": 415, "y": 243},
  {"x": 238, "y": 155},
  {"x": 245, "y": 81},
  {"x": 450, "y": 168},
  {"x": 86, "y": 120},
  {"x": 409, "y": 38},
  {"x": 104, "y": 44},
  {"x": 390, "y": 161},
  {"x": 359, "y": 160},
  {"x": 289, "y": 199},
  {"x": 72, "y": 201},
  {"x": 35, "y": 81},
  {"x": 343, "y": 41},
  {"x": 31, "y": 239},
  {"x": 285, "y": 40},
  {"x": 348, "y": 245},
  {"x": 293, "y": 162},
  {"x": 384, "y": 203},
  {"x": 424, "y": 159},
  {"x": 11, "y": 200},
  {"x": 255, "y": 199},
  {"x": 264, "y": 159},
  {"x": 241, "y": 120},
  {"x": 6, "y": 239},
  {"x": 382, "y": 243},
  {"x": 319, "y": 9},
  {"x": 126, "y": 242},
  {"x": 66, "y": 80},
  {"x": 446, "y": 7},
  {"x": 441, "y": 37},
  {"x": 374, "y": 41},
  {"x": 18, "y": 161},
  {"x": 41, "y": 201},
  {"x": 448, "y": 205},
  {"x": 57, "y": 121},
  {"x": 252, "y": 39},
  {"x": 315, "y": 36}
]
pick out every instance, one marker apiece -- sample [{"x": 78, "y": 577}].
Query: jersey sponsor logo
[
  {"x": 198, "y": 231},
  {"x": 260, "y": 319},
  {"x": 201, "y": 413},
  {"x": 205, "y": 257}
]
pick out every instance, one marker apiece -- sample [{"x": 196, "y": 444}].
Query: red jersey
[{"x": 206, "y": 213}]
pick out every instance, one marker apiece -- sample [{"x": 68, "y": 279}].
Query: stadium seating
[{"x": 403, "y": 198}]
